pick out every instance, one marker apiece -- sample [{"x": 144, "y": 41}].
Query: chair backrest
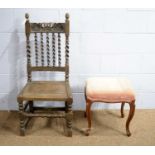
[{"x": 46, "y": 54}]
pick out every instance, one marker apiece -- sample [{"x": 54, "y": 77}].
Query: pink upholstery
[{"x": 109, "y": 89}]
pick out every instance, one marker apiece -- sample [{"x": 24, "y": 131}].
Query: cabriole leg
[
  {"x": 131, "y": 114},
  {"x": 85, "y": 113},
  {"x": 122, "y": 109},
  {"x": 88, "y": 114}
]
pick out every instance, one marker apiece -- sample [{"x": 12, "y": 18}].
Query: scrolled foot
[
  {"x": 87, "y": 132},
  {"x": 128, "y": 133},
  {"x": 122, "y": 115}
]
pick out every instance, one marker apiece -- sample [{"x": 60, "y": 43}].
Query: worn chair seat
[
  {"x": 109, "y": 89},
  {"x": 46, "y": 90}
]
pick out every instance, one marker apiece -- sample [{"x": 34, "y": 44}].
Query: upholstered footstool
[{"x": 109, "y": 90}]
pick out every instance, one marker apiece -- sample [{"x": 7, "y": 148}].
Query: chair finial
[
  {"x": 27, "y": 16},
  {"x": 67, "y": 16}
]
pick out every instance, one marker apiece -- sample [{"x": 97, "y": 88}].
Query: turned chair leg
[
  {"x": 22, "y": 125},
  {"x": 122, "y": 109},
  {"x": 88, "y": 114},
  {"x": 69, "y": 117},
  {"x": 66, "y": 107},
  {"x": 31, "y": 106},
  {"x": 131, "y": 114}
]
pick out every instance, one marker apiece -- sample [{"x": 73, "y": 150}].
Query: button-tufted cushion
[{"x": 109, "y": 89}]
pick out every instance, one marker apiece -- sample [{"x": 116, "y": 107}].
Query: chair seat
[
  {"x": 46, "y": 90},
  {"x": 109, "y": 89}
]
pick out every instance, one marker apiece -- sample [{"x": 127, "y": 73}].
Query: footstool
[{"x": 109, "y": 90}]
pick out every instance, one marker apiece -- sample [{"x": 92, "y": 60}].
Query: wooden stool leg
[
  {"x": 22, "y": 125},
  {"x": 85, "y": 113},
  {"x": 122, "y": 109},
  {"x": 69, "y": 117},
  {"x": 88, "y": 114},
  {"x": 131, "y": 114}
]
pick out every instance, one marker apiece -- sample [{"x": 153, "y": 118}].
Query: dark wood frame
[
  {"x": 130, "y": 116},
  {"x": 26, "y": 106}
]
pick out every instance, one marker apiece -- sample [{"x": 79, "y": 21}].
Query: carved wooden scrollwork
[{"x": 48, "y": 27}]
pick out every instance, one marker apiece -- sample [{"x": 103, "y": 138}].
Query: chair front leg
[
  {"x": 88, "y": 114},
  {"x": 69, "y": 117},
  {"x": 131, "y": 114},
  {"x": 22, "y": 124},
  {"x": 122, "y": 109}
]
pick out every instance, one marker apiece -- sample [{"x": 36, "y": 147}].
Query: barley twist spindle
[
  {"x": 67, "y": 55},
  {"x": 42, "y": 50},
  {"x": 48, "y": 49},
  {"x": 28, "y": 57},
  {"x": 59, "y": 49},
  {"x": 36, "y": 48},
  {"x": 53, "y": 48}
]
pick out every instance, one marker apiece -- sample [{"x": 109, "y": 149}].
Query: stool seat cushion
[{"x": 109, "y": 90}]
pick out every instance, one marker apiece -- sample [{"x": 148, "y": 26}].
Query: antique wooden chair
[
  {"x": 39, "y": 59},
  {"x": 109, "y": 90}
]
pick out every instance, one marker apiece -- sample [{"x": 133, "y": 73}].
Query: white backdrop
[{"x": 103, "y": 42}]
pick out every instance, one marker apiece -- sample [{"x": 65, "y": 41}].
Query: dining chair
[{"x": 47, "y": 49}]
